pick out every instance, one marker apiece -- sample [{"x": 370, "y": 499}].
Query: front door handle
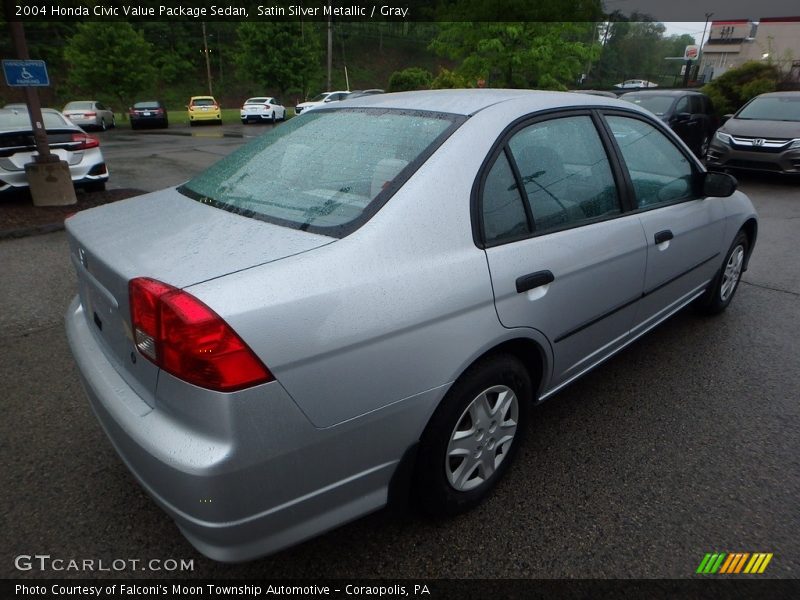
[
  {"x": 663, "y": 236},
  {"x": 534, "y": 280}
]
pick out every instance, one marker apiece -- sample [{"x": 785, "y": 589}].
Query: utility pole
[
  {"x": 330, "y": 44},
  {"x": 48, "y": 177},
  {"x": 702, "y": 42},
  {"x": 208, "y": 61}
]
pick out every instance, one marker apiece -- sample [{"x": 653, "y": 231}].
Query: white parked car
[
  {"x": 90, "y": 113},
  {"x": 635, "y": 84},
  {"x": 67, "y": 141},
  {"x": 262, "y": 108},
  {"x": 319, "y": 100}
]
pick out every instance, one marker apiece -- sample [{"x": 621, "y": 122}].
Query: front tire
[
  {"x": 720, "y": 293},
  {"x": 472, "y": 437}
]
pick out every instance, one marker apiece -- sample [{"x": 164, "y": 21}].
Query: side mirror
[{"x": 719, "y": 185}]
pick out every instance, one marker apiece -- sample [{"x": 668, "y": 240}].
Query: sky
[{"x": 695, "y": 29}]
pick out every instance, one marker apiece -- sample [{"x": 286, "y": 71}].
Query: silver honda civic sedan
[{"x": 363, "y": 304}]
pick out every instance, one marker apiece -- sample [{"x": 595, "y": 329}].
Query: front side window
[
  {"x": 683, "y": 106},
  {"x": 564, "y": 172},
  {"x": 660, "y": 173},
  {"x": 290, "y": 176}
]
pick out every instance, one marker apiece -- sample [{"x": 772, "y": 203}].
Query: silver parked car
[
  {"x": 70, "y": 143},
  {"x": 90, "y": 113},
  {"x": 276, "y": 351}
]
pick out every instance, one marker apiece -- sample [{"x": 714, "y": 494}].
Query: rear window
[
  {"x": 655, "y": 104},
  {"x": 203, "y": 102},
  {"x": 256, "y": 100},
  {"x": 146, "y": 105},
  {"x": 79, "y": 106},
  {"x": 326, "y": 173},
  {"x": 772, "y": 108},
  {"x": 19, "y": 119}
]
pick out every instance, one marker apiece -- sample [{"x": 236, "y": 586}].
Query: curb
[{"x": 10, "y": 234}]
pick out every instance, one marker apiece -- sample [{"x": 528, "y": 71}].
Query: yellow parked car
[{"x": 204, "y": 108}]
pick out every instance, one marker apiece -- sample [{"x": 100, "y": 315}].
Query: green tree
[
  {"x": 734, "y": 87},
  {"x": 413, "y": 78},
  {"x": 109, "y": 60},
  {"x": 546, "y": 55},
  {"x": 449, "y": 80},
  {"x": 633, "y": 49},
  {"x": 278, "y": 55}
]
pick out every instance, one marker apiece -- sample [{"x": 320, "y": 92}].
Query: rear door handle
[
  {"x": 663, "y": 236},
  {"x": 534, "y": 280}
]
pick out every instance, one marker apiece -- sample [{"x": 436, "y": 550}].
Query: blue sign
[{"x": 26, "y": 73}]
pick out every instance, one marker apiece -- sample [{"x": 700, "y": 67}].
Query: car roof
[
  {"x": 663, "y": 92},
  {"x": 780, "y": 94},
  {"x": 470, "y": 101}
]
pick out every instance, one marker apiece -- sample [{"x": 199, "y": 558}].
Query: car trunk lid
[{"x": 171, "y": 238}]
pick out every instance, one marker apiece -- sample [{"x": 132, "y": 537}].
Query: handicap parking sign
[{"x": 26, "y": 73}]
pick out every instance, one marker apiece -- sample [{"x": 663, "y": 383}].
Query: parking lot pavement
[
  {"x": 152, "y": 159},
  {"x": 685, "y": 443}
]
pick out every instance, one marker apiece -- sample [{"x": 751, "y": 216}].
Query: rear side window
[
  {"x": 565, "y": 173},
  {"x": 291, "y": 175},
  {"x": 503, "y": 212}
]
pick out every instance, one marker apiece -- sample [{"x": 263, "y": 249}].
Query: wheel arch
[{"x": 750, "y": 228}]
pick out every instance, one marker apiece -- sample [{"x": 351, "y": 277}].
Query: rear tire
[
  {"x": 724, "y": 285},
  {"x": 103, "y": 125},
  {"x": 472, "y": 436}
]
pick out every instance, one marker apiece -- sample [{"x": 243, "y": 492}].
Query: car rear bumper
[
  {"x": 258, "y": 479},
  {"x": 255, "y": 116},
  {"x": 86, "y": 168},
  {"x": 203, "y": 116},
  {"x": 723, "y": 156}
]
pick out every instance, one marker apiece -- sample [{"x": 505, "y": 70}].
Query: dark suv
[{"x": 690, "y": 114}]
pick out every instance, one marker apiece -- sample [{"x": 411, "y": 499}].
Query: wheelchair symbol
[{"x": 25, "y": 74}]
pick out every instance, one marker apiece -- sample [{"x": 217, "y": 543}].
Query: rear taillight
[
  {"x": 90, "y": 114},
  {"x": 85, "y": 141},
  {"x": 159, "y": 111},
  {"x": 183, "y": 336}
]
